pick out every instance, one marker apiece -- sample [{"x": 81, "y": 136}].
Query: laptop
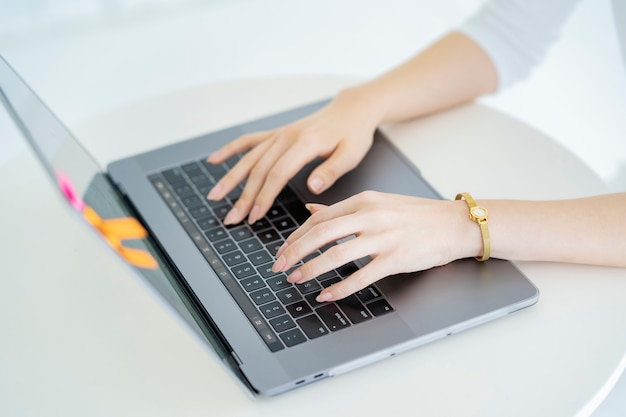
[{"x": 271, "y": 334}]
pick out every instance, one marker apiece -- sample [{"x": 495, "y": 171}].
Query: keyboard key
[
  {"x": 174, "y": 176},
  {"x": 234, "y": 258},
  {"x": 379, "y": 307},
  {"x": 234, "y": 194},
  {"x": 347, "y": 269},
  {"x": 332, "y": 317},
  {"x": 274, "y": 246},
  {"x": 215, "y": 234},
  {"x": 190, "y": 168},
  {"x": 260, "y": 257},
  {"x": 207, "y": 222},
  {"x": 240, "y": 233},
  {"x": 309, "y": 286},
  {"x": 221, "y": 210},
  {"x": 268, "y": 236},
  {"x": 299, "y": 309},
  {"x": 353, "y": 309},
  {"x": 243, "y": 270},
  {"x": 225, "y": 246},
  {"x": 261, "y": 224},
  {"x": 266, "y": 270},
  {"x": 200, "y": 211},
  {"x": 279, "y": 283},
  {"x": 250, "y": 245},
  {"x": 232, "y": 161},
  {"x": 328, "y": 282},
  {"x": 217, "y": 171},
  {"x": 200, "y": 180},
  {"x": 275, "y": 212},
  {"x": 312, "y": 326},
  {"x": 292, "y": 337},
  {"x": 252, "y": 283},
  {"x": 183, "y": 190},
  {"x": 283, "y": 224},
  {"x": 282, "y": 323},
  {"x": 192, "y": 201},
  {"x": 262, "y": 296},
  {"x": 273, "y": 309},
  {"x": 368, "y": 294},
  {"x": 288, "y": 296},
  {"x": 311, "y": 298}
]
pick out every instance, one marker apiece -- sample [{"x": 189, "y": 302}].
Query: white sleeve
[{"x": 517, "y": 33}]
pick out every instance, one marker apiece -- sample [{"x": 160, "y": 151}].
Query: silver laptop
[{"x": 272, "y": 334}]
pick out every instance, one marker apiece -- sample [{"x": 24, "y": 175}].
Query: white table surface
[{"x": 82, "y": 335}]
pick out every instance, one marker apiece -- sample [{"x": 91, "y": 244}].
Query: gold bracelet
[{"x": 479, "y": 215}]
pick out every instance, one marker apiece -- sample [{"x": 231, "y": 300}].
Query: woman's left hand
[{"x": 399, "y": 233}]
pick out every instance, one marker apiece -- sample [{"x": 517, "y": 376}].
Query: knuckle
[
  {"x": 338, "y": 253},
  {"x": 320, "y": 230}
]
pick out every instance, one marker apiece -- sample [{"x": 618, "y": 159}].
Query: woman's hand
[
  {"x": 342, "y": 132},
  {"x": 400, "y": 234}
]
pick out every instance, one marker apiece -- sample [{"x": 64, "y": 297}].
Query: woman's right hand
[{"x": 341, "y": 132}]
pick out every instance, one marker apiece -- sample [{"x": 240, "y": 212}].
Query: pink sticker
[{"x": 67, "y": 188}]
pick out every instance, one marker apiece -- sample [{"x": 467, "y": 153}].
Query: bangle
[{"x": 479, "y": 215}]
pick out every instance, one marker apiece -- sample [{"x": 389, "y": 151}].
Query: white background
[{"x": 85, "y": 57}]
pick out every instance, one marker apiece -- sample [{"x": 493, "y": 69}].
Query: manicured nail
[
  {"x": 316, "y": 184},
  {"x": 324, "y": 296},
  {"x": 254, "y": 215},
  {"x": 295, "y": 277},
  {"x": 215, "y": 192},
  {"x": 231, "y": 217},
  {"x": 279, "y": 264}
]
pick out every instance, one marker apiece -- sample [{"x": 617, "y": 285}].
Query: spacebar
[{"x": 229, "y": 281}]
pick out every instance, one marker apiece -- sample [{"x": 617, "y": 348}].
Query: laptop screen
[{"x": 81, "y": 182}]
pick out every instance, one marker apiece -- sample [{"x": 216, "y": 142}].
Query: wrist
[
  {"x": 468, "y": 241},
  {"x": 366, "y": 101}
]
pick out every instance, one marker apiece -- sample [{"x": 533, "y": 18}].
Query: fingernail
[
  {"x": 295, "y": 277},
  {"x": 316, "y": 184},
  {"x": 280, "y": 250},
  {"x": 324, "y": 296},
  {"x": 215, "y": 192},
  {"x": 254, "y": 214},
  {"x": 213, "y": 156},
  {"x": 231, "y": 216},
  {"x": 279, "y": 264}
]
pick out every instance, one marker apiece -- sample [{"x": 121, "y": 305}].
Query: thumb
[{"x": 343, "y": 159}]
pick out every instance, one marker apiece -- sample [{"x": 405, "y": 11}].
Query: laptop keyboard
[{"x": 283, "y": 314}]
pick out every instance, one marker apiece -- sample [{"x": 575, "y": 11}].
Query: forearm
[
  {"x": 589, "y": 230},
  {"x": 452, "y": 71}
]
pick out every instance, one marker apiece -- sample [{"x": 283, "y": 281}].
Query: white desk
[{"x": 81, "y": 335}]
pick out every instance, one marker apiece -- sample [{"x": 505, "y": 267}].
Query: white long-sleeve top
[{"x": 516, "y": 34}]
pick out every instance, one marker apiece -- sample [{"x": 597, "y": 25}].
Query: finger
[
  {"x": 239, "y": 145},
  {"x": 318, "y": 236},
  {"x": 314, "y": 207},
  {"x": 238, "y": 173},
  {"x": 342, "y": 208},
  {"x": 333, "y": 258},
  {"x": 343, "y": 159},
  {"x": 287, "y": 165},
  {"x": 365, "y": 276},
  {"x": 256, "y": 179}
]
